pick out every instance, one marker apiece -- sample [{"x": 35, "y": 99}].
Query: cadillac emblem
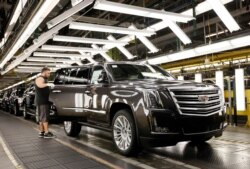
[{"x": 203, "y": 98}]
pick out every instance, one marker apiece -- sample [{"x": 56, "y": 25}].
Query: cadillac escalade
[{"x": 141, "y": 104}]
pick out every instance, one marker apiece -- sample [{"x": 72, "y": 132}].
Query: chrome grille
[{"x": 188, "y": 102}]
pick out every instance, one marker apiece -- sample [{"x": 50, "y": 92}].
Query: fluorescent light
[
  {"x": 43, "y": 59},
  {"x": 224, "y": 15},
  {"x": 41, "y": 64},
  {"x": 202, "y": 8},
  {"x": 43, "y": 11},
  {"x": 122, "y": 49},
  {"x": 215, "y": 34},
  {"x": 109, "y": 29},
  {"x": 103, "y": 54},
  {"x": 177, "y": 31},
  {"x": 235, "y": 43},
  {"x": 71, "y": 49},
  {"x": 69, "y": 13},
  {"x": 240, "y": 90},
  {"x": 60, "y": 55},
  {"x": 145, "y": 41},
  {"x": 41, "y": 40},
  {"x": 18, "y": 10},
  {"x": 87, "y": 40},
  {"x": 23, "y": 81},
  {"x": 219, "y": 78},
  {"x": 180, "y": 77},
  {"x": 198, "y": 78},
  {"x": 140, "y": 11}
]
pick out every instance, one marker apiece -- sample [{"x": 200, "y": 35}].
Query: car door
[
  {"x": 58, "y": 96},
  {"x": 69, "y": 97},
  {"x": 98, "y": 93}
]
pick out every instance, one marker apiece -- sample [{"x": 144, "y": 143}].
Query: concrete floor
[{"x": 231, "y": 151}]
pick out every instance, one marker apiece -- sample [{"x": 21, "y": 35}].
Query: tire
[
  {"x": 124, "y": 133},
  {"x": 71, "y": 128},
  {"x": 16, "y": 110},
  {"x": 25, "y": 114},
  {"x": 200, "y": 140}
]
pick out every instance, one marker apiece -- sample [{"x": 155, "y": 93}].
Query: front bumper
[{"x": 168, "y": 128}]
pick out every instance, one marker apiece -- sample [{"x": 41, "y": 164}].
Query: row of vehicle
[
  {"x": 140, "y": 104},
  {"x": 20, "y": 101}
]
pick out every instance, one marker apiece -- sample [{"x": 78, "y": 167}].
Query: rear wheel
[
  {"x": 71, "y": 128},
  {"x": 124, "y": 133}
]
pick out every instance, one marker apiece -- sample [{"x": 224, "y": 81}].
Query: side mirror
[{"x": 103, "y": 78}]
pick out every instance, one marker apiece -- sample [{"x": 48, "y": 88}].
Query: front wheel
[
  {"x": 72, "y": 129},
  {"x": 124, "y": 133}
]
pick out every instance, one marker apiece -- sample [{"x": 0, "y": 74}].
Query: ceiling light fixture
[
  {"x": 224, "y": 15},
  {"x": 71, "y": 49},
  {"x": 61, "y": 55},
  {"x": 41, "y": 40},
  {"x": 109, "y": 29},
  {"x": 41, "y": 64},
  {"x": 216, "y": 34},
  {"x": 140, "y": 11},
  {"x": 43, "y": 59},
  {"x": 18, "y": 10},
  {"x": 43, "y": 11},
  {"x": 103, "y": 54},
  {"x": 87, "y": 40},
  {"x": 235, "y": 43},
  {"x": 145, "y": 41},
  {"x": 122, "y": 49},
  {"x": 69, "y": 13}
]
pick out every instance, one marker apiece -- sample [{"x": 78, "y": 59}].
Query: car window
[
  {"x": 97, "y": 72},
  {"x": 82, "y": 76},
  {"x": 60, "y": 76}
]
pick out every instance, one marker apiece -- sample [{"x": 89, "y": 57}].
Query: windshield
[{"x": 123, "y": 72}]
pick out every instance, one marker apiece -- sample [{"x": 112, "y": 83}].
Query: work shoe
[
  {"x": 49, "y": 135},
  {"x": 41, "y": 134}
]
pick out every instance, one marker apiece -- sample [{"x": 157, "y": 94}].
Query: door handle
[{"x": 56, "y": 91}]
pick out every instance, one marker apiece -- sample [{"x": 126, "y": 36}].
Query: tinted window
[
  {"x": 60, "y": 76},
  {"x": 82, "y": 76},
  {"x": 128, "y": 72}
]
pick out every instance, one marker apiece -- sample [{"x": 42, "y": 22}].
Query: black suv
[
  {"x": 140, "y": 104},
  {"x": 16, "y": 101}
]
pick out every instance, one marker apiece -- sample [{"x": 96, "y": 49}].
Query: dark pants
[{"x": 43, "y": 113}]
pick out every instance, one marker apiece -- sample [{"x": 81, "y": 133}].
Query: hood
[{"x": 158, "y": 84}]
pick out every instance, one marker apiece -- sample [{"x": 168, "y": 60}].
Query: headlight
[{"x": 154, "y": 100}]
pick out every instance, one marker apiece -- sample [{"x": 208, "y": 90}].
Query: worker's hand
[{"x": 51, "y": 85}]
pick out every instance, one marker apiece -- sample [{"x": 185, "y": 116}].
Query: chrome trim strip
[
  {"x": 84, "y": 109},
  {"x": 194, "y": 96},
  {"x": 208, "y": 102},
  {"x": 207, "y": 108}
]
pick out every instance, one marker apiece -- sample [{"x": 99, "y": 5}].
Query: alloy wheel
[{"x": 122, "y": 132}]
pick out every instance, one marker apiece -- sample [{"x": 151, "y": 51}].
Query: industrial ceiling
[{"x": 58, "y": 33}]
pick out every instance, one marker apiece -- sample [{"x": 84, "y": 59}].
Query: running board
[{"x": 95, "y": 126}]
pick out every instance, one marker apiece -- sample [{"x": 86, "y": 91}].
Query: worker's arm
[{"x": 40, "y": 82}]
